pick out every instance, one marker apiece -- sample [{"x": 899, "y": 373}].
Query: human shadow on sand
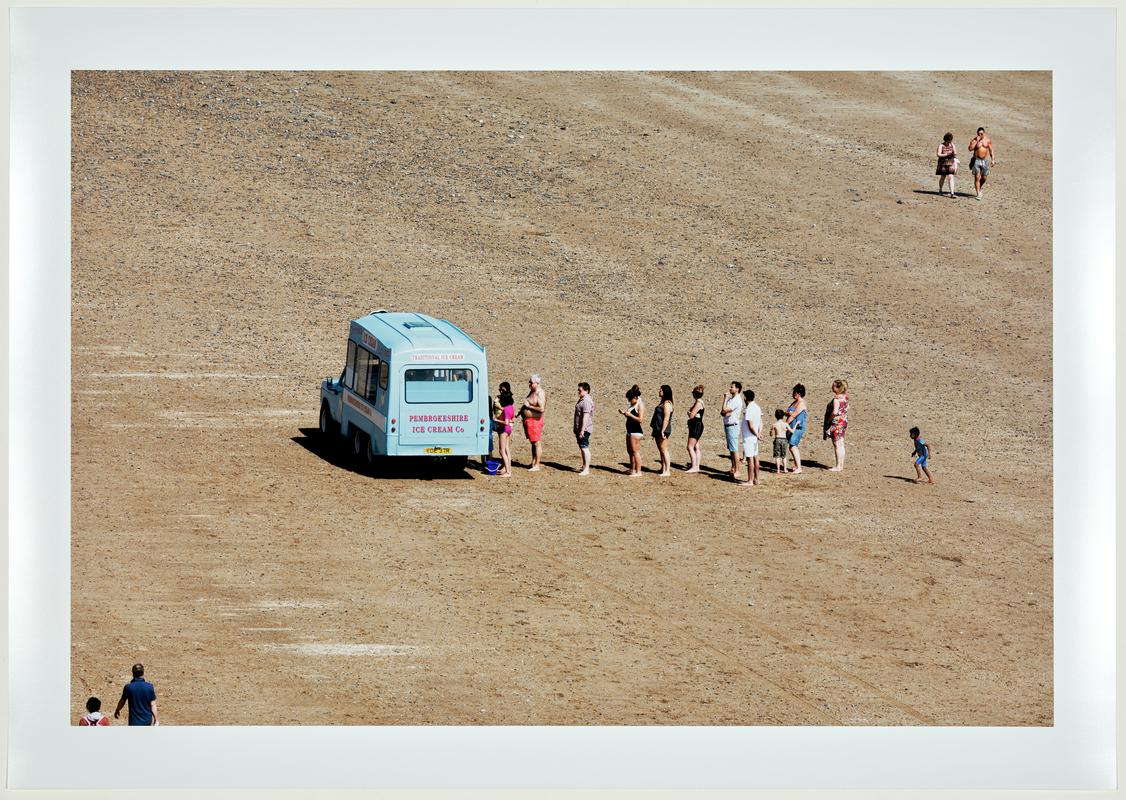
[
  {"x": 333, "y": 450},
  {"x": 561, "y": 467},
  {"x": 764, "y": 461},
  {"x": 809, "y": 462},
  {"x": 900, "y": 478},
  {"x": 941, "y": 194},
  {"x": 622, "y": 469},
  {"x": 716, "y": 474}
]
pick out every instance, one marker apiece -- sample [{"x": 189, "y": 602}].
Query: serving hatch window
[{"x": 439, "y": 385}]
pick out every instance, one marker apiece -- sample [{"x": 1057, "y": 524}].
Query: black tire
[
  {"x": 327, "y": 424},
  {"x": 359, "y": 444},
  {"x": 361, "y": 448}
]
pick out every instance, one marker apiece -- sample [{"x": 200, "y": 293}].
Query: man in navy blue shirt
[{"x": 142, "y": 699}]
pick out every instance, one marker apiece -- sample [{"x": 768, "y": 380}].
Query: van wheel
[
  {"x": 361, "y": 448},
  {"x": 359, "y": 444},
  {"x": 327, "y": 425}
]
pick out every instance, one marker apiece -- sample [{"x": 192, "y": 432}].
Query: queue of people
[{"x": 741, "y": 418}]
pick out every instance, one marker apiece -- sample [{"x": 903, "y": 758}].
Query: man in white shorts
[{"x": 752, "y": 435}]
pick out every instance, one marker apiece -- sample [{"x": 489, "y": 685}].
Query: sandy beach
[{"x": 615, "y": 228}]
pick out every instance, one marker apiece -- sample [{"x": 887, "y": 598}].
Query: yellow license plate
[{"x": 438, "y": 451}]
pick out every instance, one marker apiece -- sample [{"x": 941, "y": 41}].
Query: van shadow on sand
[{"x": 334, "y": 451}]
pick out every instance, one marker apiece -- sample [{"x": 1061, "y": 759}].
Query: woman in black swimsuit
[
  {"x": 661, "y": 426},
  {"x": 695, "y": 428},
  {"x": 634, "y": 434}
]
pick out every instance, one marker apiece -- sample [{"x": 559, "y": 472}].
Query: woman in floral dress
[{"x": 838, "y": 422}]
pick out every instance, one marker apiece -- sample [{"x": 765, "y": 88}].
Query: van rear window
[{"x": 439, "y": 385}]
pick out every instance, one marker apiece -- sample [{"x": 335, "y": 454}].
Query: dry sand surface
[{"x": 614, "y": 228}]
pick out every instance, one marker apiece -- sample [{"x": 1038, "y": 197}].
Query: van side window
[
  {"x": 363, "y": 364},
  {"x": 383, "y": 376},
  {"x": 373, "y": 379},
  {"x": 350, "y": 365}
]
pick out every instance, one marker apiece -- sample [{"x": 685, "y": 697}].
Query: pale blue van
[{"x": 412, "y": 385}]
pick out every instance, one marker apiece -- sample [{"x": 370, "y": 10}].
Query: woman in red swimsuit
[{"x": 839, "y": 422}]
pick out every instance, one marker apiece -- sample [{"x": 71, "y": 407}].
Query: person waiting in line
[
  {"x": 502, "y": 420},
  {"x": 732, "y": 413},
  {"x": 752, "y": 435},
  {"x": 838, "y": 422},
  {"x": 584, "y": 425},
  {"x": 634, "y": 434},
  {"x": 533, "y": 409},
  {"x": 661, "y": 427},
  {"x": 781, "y": 433},
  {"x": 795, "y": 419},
  {"x": 494, "y": 410},
  {"x": 695, "y": 428}
]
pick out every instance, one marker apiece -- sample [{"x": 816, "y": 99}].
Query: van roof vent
[{"x": 417, "y": 324}]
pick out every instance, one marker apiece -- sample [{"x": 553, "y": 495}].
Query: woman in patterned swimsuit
[
  {"x": 839, "y": 423},
  {"x": 947, "y": 162}
]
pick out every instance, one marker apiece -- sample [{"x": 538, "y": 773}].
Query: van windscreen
[{"x": 439, "y": 385}]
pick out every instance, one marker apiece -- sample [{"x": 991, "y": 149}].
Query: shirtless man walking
[
  {"x": 532, "y": 411},
  {"x": 981, "y": 147}
]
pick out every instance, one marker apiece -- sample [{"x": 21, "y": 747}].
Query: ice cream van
[{"x": 412, "y": 385}]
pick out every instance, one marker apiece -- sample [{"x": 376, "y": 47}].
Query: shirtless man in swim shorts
[
  {"x": 981, "y": 146},
  {"x": 532, "y": 412}
]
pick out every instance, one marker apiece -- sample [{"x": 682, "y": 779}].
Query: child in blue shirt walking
[{"x": 921, "y": 454}]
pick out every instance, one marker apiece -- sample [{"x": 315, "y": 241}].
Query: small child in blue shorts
[{"x": 921, "y": 453}]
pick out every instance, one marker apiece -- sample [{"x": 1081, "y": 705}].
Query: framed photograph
[{"x": 569, "y": 399}]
